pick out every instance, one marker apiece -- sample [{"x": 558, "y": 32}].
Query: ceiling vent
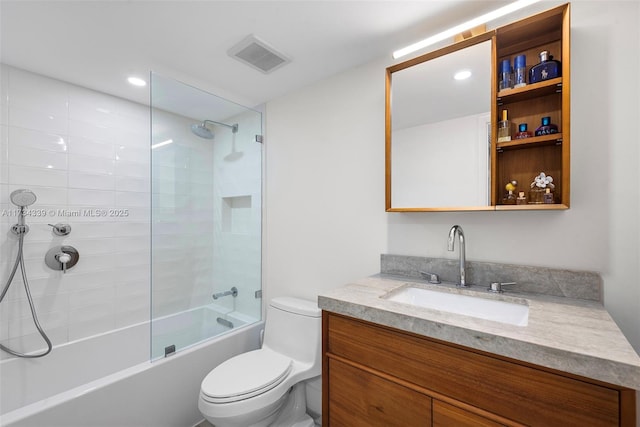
[{"x": 258, "y": 54}]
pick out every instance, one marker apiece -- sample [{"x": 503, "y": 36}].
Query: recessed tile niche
[{"x": 236, "y": 214}]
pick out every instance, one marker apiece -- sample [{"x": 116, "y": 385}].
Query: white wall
[
  {"x": 79, "y": 151},
  {"x": 325, "y": 220}
]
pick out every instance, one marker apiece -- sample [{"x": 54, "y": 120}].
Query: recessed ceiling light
[
  {"x": 136, "y": 81},
  {"x": 462, "y": 75}
]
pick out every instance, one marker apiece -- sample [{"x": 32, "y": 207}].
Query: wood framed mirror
[
  {"x": 438, "y": 129},
  {"x": 441, "y": 141}
]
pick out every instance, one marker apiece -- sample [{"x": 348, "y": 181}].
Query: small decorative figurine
[
  {"x": 541, "y": 184},
  {"x": 510, "y": 197}
]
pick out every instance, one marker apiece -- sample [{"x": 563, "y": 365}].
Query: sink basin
[{"x": 483, "y": 308}]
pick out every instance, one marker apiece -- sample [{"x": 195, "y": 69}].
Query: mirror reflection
[{"x": 440, "y": 131}]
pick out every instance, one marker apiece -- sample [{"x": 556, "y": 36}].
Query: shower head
[
  {"x": 202, "y": 131},
  {"x": 23, "y": 198}
]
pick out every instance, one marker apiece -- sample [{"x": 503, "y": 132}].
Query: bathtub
[{"x": 108, "y": 380}]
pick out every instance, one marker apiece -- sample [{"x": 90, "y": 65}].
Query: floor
[{"x": 206, "y": 423}]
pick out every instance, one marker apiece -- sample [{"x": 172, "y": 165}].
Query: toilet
[{"x": 277, "y": 385}]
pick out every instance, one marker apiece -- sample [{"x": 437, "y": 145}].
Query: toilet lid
[{"x": 245, "y": 375}]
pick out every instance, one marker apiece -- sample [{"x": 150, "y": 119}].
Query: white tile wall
[
  {"x": 78, "y": 150},
  {"x": 191, "y": 178}
]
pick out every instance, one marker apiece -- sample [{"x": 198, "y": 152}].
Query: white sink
[{"x": 483, "y": 308}]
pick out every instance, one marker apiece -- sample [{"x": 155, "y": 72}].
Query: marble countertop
[{"x": 570, "y": 335}]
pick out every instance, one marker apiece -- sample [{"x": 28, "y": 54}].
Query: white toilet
[{"x": 268, "y": 387}]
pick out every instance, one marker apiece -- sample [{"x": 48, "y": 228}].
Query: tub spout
[{"x": 233, "y": 291}]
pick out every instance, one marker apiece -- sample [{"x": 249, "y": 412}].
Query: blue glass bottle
[
  {"x": 506, "y": 76},
  {"x": 520, "y": 73},
  {"x": 548, "y": 68},
  {"x": 546, "y": 128},
  {"x": 523, "y": 132}
]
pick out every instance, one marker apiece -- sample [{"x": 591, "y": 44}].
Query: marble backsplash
[{"x": 585, "y": 285}]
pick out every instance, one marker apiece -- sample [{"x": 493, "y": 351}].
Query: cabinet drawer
[
  {"x": 514, "y": 390},
  {"x": 445, "y": 415},
  {"x": 360, "y": 399}
]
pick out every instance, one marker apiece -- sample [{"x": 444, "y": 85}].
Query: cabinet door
[
  {"x": 511, "y": 389},
  {"x": 358, "y": 398},
  {"x": 445, "y": 415}
]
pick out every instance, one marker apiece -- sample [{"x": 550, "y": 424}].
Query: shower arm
[{"x": 234, "y": 127}]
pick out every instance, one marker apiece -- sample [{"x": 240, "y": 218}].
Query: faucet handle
[
  {"x": 63, "y": 258},
  {"x": 432, "y": 277},
  {"x": 60, "y": 229},
  {"x": 496, "y": 287}
]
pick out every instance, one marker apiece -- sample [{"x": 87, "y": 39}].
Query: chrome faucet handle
[
  {"x": 60, "y": 229},
  {"x": 63, "y": 258},
  {"x": 496, "y": 287},
  {"x": 431, "y": 277}
]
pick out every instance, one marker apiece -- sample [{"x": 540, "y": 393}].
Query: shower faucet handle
[
  {"x": 61, "y": 229},
  {"x": 63, "y": 258}
]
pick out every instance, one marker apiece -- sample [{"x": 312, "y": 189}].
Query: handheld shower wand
[{"x": 22, "y": 199}]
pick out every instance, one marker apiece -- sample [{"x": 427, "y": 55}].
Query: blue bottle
[
  {"x": 506, "y": 79},
  {"x": 548, "y": 68},
  {"x": 546, "y": 128},
  {"x": 520, "y": 71}
]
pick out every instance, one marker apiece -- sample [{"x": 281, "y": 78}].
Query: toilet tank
[{"x": 293, "y": 327}]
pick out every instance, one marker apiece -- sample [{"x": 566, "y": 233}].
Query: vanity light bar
[{"x": 483, "y": 19}]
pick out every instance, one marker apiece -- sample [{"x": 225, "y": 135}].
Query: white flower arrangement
[{"x": 543, "y": 181}]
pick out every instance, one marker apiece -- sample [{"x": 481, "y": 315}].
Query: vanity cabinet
[
  {"x": 374, "y": 375},
  {"x": 523, "y": 159},
  {"x": 386, "y": 401}
]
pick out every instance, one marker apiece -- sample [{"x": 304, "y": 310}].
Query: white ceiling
[{"x": 97, "y": 44}]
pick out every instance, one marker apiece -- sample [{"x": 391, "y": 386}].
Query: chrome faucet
[
  {"x": 233, "y": 292},
  {"x": 452, "y": 236}
]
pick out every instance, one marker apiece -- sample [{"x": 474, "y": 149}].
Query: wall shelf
[
  {"x": 552, "y": 139},
  {"x": 522, "y": 160}
]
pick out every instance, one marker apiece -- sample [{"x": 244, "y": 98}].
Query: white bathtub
[{"x": 108, "y": 381}]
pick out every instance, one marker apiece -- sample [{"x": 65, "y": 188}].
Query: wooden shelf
[
  {"x": 532, "y": 207},
  {"x": 531, "y": 91},
  {"x": 534, "y": 141},
  {"x": 522, "y": 159}
]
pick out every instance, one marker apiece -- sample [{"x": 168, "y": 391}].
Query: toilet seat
[{"x": 246, "y": 375}]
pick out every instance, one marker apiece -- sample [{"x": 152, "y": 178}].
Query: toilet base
[{"x": 294, "y": 412}]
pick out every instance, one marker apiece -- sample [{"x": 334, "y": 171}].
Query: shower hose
[{"x": 20, "y": 262}]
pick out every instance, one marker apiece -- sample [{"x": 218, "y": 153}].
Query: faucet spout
[{"x": 456, "y": 229}]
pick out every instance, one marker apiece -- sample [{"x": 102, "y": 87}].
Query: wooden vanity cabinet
[
  {"x": 386, "y": 401},
  {"x": 523, "y": 159},
  {"x": 379, "y": 376}
]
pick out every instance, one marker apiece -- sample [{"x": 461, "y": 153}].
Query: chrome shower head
[
  {"x": 23, "y": 198},
  {"x": 202, "y": 131}
]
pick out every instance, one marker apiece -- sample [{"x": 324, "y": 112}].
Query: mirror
[{"x": 438, "y": 130}]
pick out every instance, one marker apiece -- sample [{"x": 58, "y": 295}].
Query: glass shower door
[{"x": 206, "y": 219}]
